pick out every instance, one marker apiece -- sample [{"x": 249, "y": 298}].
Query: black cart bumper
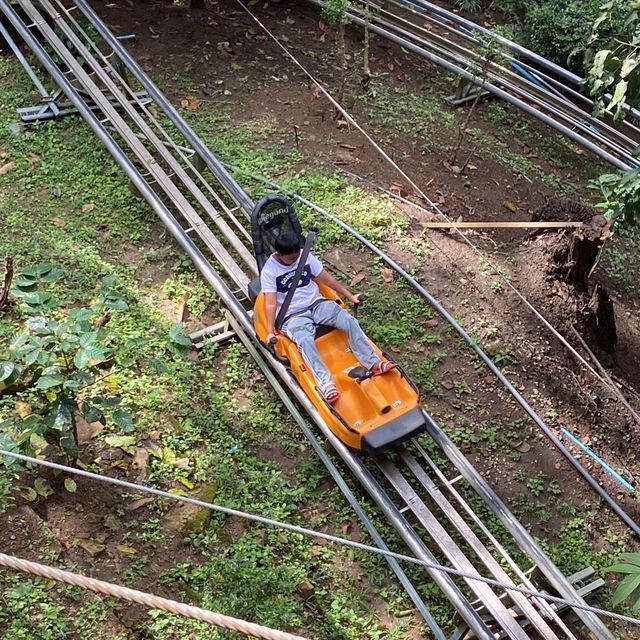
[{"x": 407, "y": 426}]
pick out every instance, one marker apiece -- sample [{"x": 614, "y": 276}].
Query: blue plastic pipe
[{"x": 610, "y": 470}]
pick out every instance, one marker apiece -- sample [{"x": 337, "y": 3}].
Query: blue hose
[{"x": 627, "y": 485}]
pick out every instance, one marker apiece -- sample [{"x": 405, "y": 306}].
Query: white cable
[{"x": 316, "y": 534}]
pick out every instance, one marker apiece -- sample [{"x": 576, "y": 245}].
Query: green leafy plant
[
  {"x": 621, "y": 197},
  {"x": 469, "y": 5},
  {"x": 612, "y": 57},
  {"x": 52, "y": 365},
  {"x": 629, "y": 564}
]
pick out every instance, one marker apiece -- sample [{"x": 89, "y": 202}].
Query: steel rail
[
  {"x": 524, "y": 538},
  {"x": 142, "y": 153},
  {"x": 421, "y": 9},
  {"x": 616, "y": 140},
  {"x": 456, "y": 556},
  {"x": 231, "y": 186},
  {"x": 230, "y": 300},
  {"x": 450, "y": 487},
  {"x": 460, "y": 32},
  {"x": 514, "y": 46},
  {"x": 505, "y": 95},
  {"x": 149, "y": 135},
  {"x": 527, "y": 53},
  {"x": 184, "y": 153},
  {"x": 473, "y": 540}
]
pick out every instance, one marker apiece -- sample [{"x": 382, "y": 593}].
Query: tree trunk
[
  {"x": 600, "y": 320},
  {"x": 577, "y": 259},
  {"x": 366, "y": 70},
  {"x": 8, "y": 278},
  {"x": 343, "y": 60}
]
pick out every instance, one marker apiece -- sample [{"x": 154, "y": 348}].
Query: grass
[{"x": 424, "y": 117}]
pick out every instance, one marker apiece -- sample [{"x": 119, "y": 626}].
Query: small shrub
[{"x": 560, "y": 30}]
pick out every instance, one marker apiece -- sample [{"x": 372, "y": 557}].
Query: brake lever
[{"x": 356, "y": 305}]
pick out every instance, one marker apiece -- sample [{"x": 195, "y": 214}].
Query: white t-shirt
[{"x": 276, "y": 277}]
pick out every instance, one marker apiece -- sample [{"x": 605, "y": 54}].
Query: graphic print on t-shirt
[{"x": 283, "y": 282}]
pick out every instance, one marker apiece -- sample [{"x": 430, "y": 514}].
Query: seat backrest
[{"x": 270, "y": 217}]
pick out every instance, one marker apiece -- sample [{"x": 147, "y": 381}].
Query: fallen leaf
[
  {"x": 23, "y": 409},
  {"x": 398, "y": 189},
  {"x": 511, "y": 206},
  {"x": 87, "y": 430},
  {"x": 70, "y": 485},
  {"x": 154, "y": 33},
  {"x": 447, "y": 384},
  {"x": 5, "y": 168},
  {"x": 316, "y": 92},
  {"x": 431, "y": 324},
  {"x": 123, "y": 548},
  {"x": 88, "y": 208},
  {"x": 140, "y": 463},
  {"x": 29, "y": 494},
  {"x": 138, "y": 504},
  {"x": 59, "y": 222},
  {"x": 92, "y": 548},
  {"x": 42, "y": 487},
  {"x": 358, "y": 278},
  {"x": 112, "y": 522},
  {"x": 186, "y": 482},
  {"x": 387, "y": 274},
  {"x": 523, "y": 447},
  {"x": 122, "y": 442}
]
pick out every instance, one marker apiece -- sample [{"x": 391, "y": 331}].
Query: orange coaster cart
[{"x": 374, "y": 413}]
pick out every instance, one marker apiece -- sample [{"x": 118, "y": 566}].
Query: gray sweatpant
[{"x": 301, "y": 328}]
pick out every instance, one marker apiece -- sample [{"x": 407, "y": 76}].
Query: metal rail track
[
  {"x": 460, "y": 46},
  {"x": 207, "y": 217}
]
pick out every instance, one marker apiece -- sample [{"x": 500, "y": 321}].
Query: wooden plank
[{"x": 524, "y": 224}]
